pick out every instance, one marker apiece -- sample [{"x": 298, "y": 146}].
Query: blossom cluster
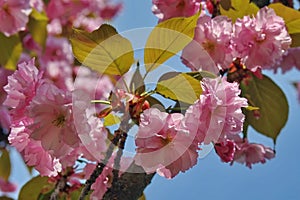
[
  {"x": 47, "y": 112},
  {"x": 260, "y": 42},
  {"x": 37, "y": 109},
  {"x": 62, "y": 14}
]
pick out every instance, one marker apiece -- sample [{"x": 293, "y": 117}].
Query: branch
[
  {"x": 130, "y": 185},
  {"x": 60, "y": 186},
  {"x": 100, "y": 166}
]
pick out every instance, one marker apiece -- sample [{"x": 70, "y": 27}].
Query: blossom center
[
  {"x": 260, "y": 38},
  {"x": 59, "y": 121},
  {"x": 180, "y": 5},
  {"x": 208, "y": 46},
  {"x": 168, "y": 139},
  {"x": 5, "y": 7}
]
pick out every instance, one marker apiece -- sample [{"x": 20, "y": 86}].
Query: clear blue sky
[{"x": 211, "y": 179}]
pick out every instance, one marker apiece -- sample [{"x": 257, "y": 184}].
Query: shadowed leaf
[
  {"x": 239, "y": 9},
  {"x": 5, "y": 164},
  {"x": 273, "y": 106},
  {"x": 11, "y": 49}
]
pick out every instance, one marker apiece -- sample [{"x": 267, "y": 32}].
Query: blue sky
[{"x": 211, "y": 179}]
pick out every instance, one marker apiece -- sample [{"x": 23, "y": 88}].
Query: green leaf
[
  {"x": 155, "y": 103},
  {"x": 137, "y": 85},
  {"x": 111, "y": 120},
  {"x": 38, "y": 27},
  {"x": 295, "y": 39},
  {"x": 181, "y": 87},
  {"x": 10, "y": 51},
  {"x": 143, "y": 197},
  {"x": 226, "y": 4},
  {"x": 103, "y": 50},
  {"x": 251, "y": 108},
  {"x": 5, "y": 165},
  {"x": 5, "y": 198},
  {"x": 167, "y": 39},
  {"x": 239, "y": 9},
  {"x": 202, "y": 74},
  {"x": 272, "y": 103},
  {"x": 288, "y": 14},
  {"x": 291, "y": 18},
  {"x": 34, "y": 187}
]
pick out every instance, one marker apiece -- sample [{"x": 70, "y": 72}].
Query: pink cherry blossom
[
  {"x": 37, "y": 4},
  {"x": 32, "y": 152},
  {"x": 218, "y": 111},
  {"x": 57, "y": 61},
  {"x": 85, "y": 14},
  {"x": 97, "y": 85},
  {"x": 103, "y": 182},
  {"x": 53, "y": 122},
  {"x": 261, "y": 41},
  {"x": 225, "y": 150},
  {"x": 162, "y": 144},
  {"x": 166, "y": 9},
  {"x": 7, "y": 186},
  {"x": 22, "y": 85},
  {"x": 252, "y": 153},
  {"x": 30, "y": 44},
  {"x": 90, "y": 129},
  {"x": 290, "y": 60},
  {"x": 13, "y": 16},
  {"x": 35, "y": 155},
  {"x": 19, "y": 137},
  {"x": 57, "y": 50},
  {"x": 211, "y": 48}
]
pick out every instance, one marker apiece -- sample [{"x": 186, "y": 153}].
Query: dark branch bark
[
  {"x": 99, "y": 168},
  {"x": 60, "y": 186},
  {"x": 130, "y": 185},
  {"x": 261, "y": 3}
]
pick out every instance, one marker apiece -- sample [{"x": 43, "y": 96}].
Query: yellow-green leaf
[
  {"x": 239, "y": 9},
  {"x": 291, "y": 18},
  {"x": 273, "y": 106},
  {"x": 103, "y": 50},
  {"x": 226, "y": 4},
  {"x": 295, "y": 39},
  {"x": 167, "y": 39},
  {"x": 181, "y": 87},
  {"x": 5, "y": 165},
  {"x": 202, "y": 74},
  {"x": 287, "y": 13},
  {"x": 10, "y": 51},
  {"x": 137, "y": 85},
  {"x": 251, "y": 108},
  {"x": 5, "y": 198},
  {"x": 155, "y": 103},
  {"x": 38, "y": 27},
  {"x": 143, "y": 197},
  {"x": 33, "y": 188},
  {"x": 111, "y": 120}
]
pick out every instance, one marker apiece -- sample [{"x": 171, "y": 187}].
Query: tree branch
[
  {"x": 60, "y": 186},
  {"x": 100, "y": 166},
  {"x": 130, "y": 185}
]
